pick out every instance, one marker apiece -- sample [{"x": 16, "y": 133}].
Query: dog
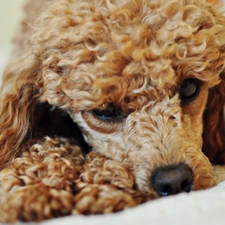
[{"x": 136, "y": 83}]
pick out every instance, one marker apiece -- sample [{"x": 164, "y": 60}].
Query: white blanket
[{"x": 201, "y": 208}]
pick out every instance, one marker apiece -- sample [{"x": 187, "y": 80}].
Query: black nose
[{"x": 171, "y": 180}]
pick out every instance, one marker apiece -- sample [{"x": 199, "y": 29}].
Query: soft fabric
[{"x": 201, "y": 208}]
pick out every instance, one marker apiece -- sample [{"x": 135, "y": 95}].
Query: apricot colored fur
[{"x": 73, "y": 57}]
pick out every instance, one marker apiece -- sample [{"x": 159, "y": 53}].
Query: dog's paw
[
  {"x": 35, "y": 203},
  {"x": 101, "y": 199}
]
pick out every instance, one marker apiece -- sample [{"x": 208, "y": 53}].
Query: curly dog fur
[
  {"x": 137, "y": 83},
  {"x": 54, "y": 179}
]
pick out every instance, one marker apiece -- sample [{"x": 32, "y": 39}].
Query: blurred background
[{"x": 11, "y": 13}]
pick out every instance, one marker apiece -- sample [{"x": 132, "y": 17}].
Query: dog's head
[{"x": 136, "y": 77}]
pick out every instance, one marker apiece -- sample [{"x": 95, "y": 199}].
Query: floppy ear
[
  {"x": 17, "y": 104},
  {"x": 214, "y": 124}
]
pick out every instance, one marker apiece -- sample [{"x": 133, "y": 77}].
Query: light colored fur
[{"x": 81, "y": 56}]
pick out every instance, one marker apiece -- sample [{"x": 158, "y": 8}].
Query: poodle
[{"x": 110, "y": 103}]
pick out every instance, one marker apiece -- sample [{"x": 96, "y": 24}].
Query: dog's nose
[{"x": 171, "y": 180}]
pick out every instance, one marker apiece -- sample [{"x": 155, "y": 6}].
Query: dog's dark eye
[
  {"x": 109, "y": 113},
  {"x": 189, "y": 90}
]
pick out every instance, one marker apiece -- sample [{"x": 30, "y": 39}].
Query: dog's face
[
  {"x": 163, "y": 131},
  {"x": 135, "y": 76}
]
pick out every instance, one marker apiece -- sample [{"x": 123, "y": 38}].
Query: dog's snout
[{"x": 171, "y": 180}]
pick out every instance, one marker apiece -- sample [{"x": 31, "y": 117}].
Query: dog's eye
[
  {"x": 189, "y": 90},
  {"x": 109, "y": 113}
]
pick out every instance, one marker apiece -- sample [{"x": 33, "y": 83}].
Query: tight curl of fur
[
  {"x": 53, "y": 179},
  {"x": 138, "y": 83}
]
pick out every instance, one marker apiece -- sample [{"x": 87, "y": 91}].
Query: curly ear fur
[
  {"x": 214, "y": 123},
  {"x": 17, "y": 105},
  {"x": 24, "y": 116}
]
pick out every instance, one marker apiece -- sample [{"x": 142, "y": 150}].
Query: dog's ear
[
  {"x": 17, "y": 98},
  {"x": 214, "y": 124}
]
